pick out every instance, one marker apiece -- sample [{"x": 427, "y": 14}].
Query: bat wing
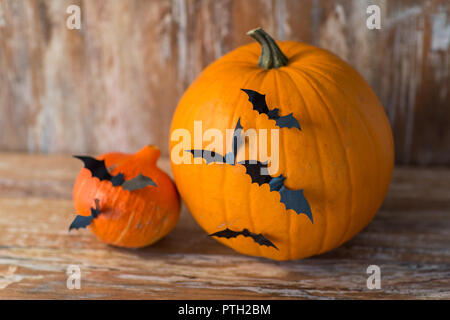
[
  {"x": 84, "y": 221},
  {"x": 117, "y": 180},
  {"x": 230, "y": 157},
  {"x": 96, "y": 167},
  {"x": 283, "y": 121},
  {"x": 209, "y": 156},
  {"x": 258, "y": 238},
  {"x": 295, "y": 200},
  {"x": 138, "y": 182},
  {"x": 237, "y": 139},
  {"x": 95, "y": 211},
  {"x": 276, "y": 183},
  {"x": 253, "y": 168},
  {"x": 288, "y": 122},
  {"x": 80, "y": 222},
  {"x": 258, "y": 100},
  {"x": 227, "y": 233}
]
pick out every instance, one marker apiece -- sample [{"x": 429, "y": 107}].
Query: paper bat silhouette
[
  {"x": 208, "y": 155},
  {"x": 230, "y": 157},
  {"x": 84, "y": 221},
  {"x": 258, "y": 238},
  {"x": 236, "y": 143},
  {"x": 138, "y": 182},
  {"x": 292, "y": 199},
  {"x": 258, "y": 101},
  {"x": 254, "y": 170},
  {"x": 98, "y": 169}
]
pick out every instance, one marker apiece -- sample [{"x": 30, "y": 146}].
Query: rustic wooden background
[{"x": 115, "y": 83}]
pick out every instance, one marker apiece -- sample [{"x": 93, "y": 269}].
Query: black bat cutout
[
  {"x": 215, "y": 157},
  {"x": 98, "y": 170},
  {"x": 118, "y": 179},
  {"x": 258, "y": 101},
  {"x": 292, "y": 199},
  {"x": 295, "y": 200},
  {"x": 84, "y": 221},
  {"x": 254, "y": 170},
  {"x": 138, "y": 182},
  {"x": 236, "y": 143},
  {"x": 258, "y": 238},
  {"x": 208, "y": 155}
]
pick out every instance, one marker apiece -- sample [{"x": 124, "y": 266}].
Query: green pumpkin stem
[{"x": 271, "y": 55}]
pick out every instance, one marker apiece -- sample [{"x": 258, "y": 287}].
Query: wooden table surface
[{"x": 409, "y": 240}]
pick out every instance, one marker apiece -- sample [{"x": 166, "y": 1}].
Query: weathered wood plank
[
  {"x": 116, "y": 82},
  {"x": 409, "y": 239}
]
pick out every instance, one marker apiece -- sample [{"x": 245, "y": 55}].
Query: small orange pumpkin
[
  {"x": 126, "y": 200},
  {"x": 335, "y": 150}
]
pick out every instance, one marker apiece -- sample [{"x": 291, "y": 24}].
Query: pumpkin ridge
[
  {"x": 369, "y": 131},
  {"x": 224, "y": 199},
  {"x": 188, "y": 114},
  {"x": 111, "y": 230},
  {"x": 148, "y": 209},
  {"x": 313, "y": 83},
  {"x": 250, "y": 217},
  {"x": 316, "y": 144},
  {"x": 296, "y": 58},
  {"x": 163, "y": 222},
  {"x": 291, "y": 50},
  {"x": 372, "y": 134},
  {"x": 77, "y": 193},
  {"x": 115, "y": 201},
  {"x": 152, "y": 210},
  {"x": 289, "y": 224},
  {"x": 127, "y": 227},
  {"x": 99, "y": 191},
  {"x": 238, "y": 103},
  {"x": 235, "y": 106},
  {"x": 349, "y": 219}
]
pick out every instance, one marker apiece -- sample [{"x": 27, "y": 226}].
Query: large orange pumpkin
[
  {"x": 340, "y": 155},
  {"x": 135, "y": 210}
]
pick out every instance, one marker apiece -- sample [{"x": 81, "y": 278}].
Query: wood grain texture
[
  {"x": 115, "y": 83},
  {"x": 409, "y": 239}
]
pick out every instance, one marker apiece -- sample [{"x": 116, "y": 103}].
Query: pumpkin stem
[{"x": 271, "y": 54}]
